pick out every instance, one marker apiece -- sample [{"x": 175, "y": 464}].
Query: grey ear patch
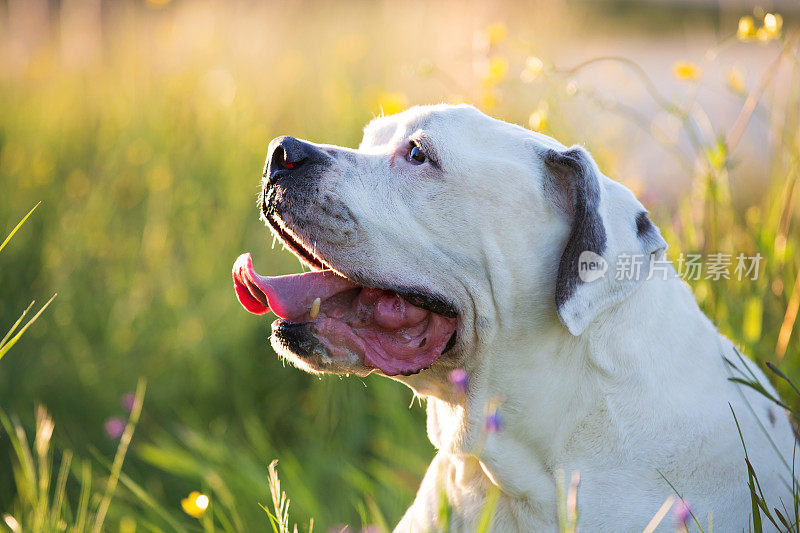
[
  {"x": 576, "y": 189},
  {"x": 643, "y": 224},
  {"x": 648, "y": 233}
]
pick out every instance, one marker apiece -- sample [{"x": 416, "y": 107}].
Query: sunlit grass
[{"x": 43, "y": 503}]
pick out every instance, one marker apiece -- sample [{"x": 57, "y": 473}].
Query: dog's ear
[{"x": 608, "y": 226}]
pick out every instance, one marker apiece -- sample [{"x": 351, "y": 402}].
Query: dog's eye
[{"x": 416, "y": 155}]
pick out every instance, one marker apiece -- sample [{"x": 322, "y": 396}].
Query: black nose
[{"x": 289, "y": 154}]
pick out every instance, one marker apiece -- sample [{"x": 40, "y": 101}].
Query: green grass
[
  {"x": 147, "y": 168},
  {"x": 15, "y": 332}
]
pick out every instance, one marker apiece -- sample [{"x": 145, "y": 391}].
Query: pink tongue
[
  {"x": 387, "y": 331},
  {"x": 289, "y": 296}
]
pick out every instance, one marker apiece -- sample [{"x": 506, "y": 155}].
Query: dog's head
[{"x": 443, "y": 230}]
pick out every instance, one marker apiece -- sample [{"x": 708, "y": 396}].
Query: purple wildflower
[
  {"x": 114, "y": 427},
  {"x": 127, "y": 401},
  {"x": 459, "y": 378},
  {"x": 493, "y": 423},
  {"x": 681, "y": 512}
]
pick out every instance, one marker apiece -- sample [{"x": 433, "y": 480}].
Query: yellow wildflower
[
  {"x": 717, "y": 155},
  {"x": 686, "y": 71},
  {"x": 391, "y": 103},
  {"x": 496, "y": 33},
  {"x": 771, "y": 29},
  {"x": 496, "y": 71},
  {"x": 533, "y": 67},
  {"x": 537, "y": 120},
  {"x": 195, "y": 504},
  {"x": 735, "y": 80},
  {"x": 488, "y": 99},
  {"x": 747, "y": 28},
  {"x": 773, "y": 23}
]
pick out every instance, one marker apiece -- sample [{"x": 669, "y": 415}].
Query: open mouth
[{"x": 336, "y": 321}]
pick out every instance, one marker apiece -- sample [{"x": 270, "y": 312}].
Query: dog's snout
[{"x": 290, "y": 154}]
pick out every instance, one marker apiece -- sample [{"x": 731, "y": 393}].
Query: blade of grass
[
  {"x": 16, "y": 324},
  {"x": 279, "y": 500},
  {"x": 26, "y": 480},
  {"x": 743, "y": 362},
  {"x": 568, "y": 502},
  {"x": 754, "y": 512},
  {"x": 224, "y": 521},
  {"x": 444, "y": 512},
  {"x": 758, "y": 494},
  {"x": 660, "y": 514},
  {"x": 226, "y": 501},
  {"x": 795, "y": 488},
  {"x": 7, "y": 346},
  {"x": 678, "y": 494},
  {"x": 752, "y": 411},
  {"x": 789, "y": 319},
  {"x": 140, "y": 493},
  {"x": 273, "y": 521},
  {"x": 44, "y": 431},
  {"x": 376, "y": 515},
  {"x": 119, "y": 458},
  {"x": 83, "y": 500},
  {"x": 21, "y": 222},
  {"x": 761, "y": 390},
  {"x": 757, "y": 499},
  {"x": 783, "y": 520},
  {"x": 783, "y": 376},
  {"x": 61, "y": 486},
  {"x": 485, "y": 523},
  {"x": 280, "y": 503}
]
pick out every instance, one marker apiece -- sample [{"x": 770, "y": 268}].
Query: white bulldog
[{"x": 451, "y": 240}]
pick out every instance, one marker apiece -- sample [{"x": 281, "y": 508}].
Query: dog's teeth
[{"x": 314, "y": 312}]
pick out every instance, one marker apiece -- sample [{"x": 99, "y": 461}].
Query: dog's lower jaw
[{"x": 433, "y": 382}]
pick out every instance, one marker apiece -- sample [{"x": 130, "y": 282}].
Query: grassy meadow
[{"x": 142, "y": 129}]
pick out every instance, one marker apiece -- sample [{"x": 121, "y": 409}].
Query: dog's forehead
[
  {"x": 455, "y": 129},
  {"x": 442, "y": 122}
]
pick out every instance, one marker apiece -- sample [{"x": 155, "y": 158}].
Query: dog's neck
[{"x": 568, "y": 397}]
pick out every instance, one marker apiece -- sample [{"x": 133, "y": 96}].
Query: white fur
[{"x": 641, "y": 392}]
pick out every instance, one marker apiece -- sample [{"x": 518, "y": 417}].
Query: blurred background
[{"x": 142, "y": 127}]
